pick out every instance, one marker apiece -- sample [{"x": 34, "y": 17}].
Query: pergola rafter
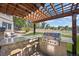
[
  {"x": 24, "y": 10},
  {"x": 72, "y": 6},
  {"x": 52, "y": 4},
  {"x": 35, "y": 8},
  {"x": 18, "y": 10},
  {"x": 44, "y": 7},
  {"x": 62, "y": 7},
  {"x": 59, "y": 16}
]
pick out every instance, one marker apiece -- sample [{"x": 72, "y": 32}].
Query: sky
[{"x": 66, "y": 21}]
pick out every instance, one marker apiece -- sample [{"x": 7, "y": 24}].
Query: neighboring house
[{"x": 6, "y": 21}]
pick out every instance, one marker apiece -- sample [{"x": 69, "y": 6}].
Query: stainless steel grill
[{"x": 56, "y": 36}]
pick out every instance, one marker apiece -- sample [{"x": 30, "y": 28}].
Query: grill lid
[{"x": 56, "y": 35}]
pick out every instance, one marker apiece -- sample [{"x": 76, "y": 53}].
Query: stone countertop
[
  {"x": 22, "y": 38},
  {"x": 18, "y": 39}
]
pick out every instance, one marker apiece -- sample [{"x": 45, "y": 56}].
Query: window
[
  {"x": 0, "y": 25},
  {"x": 6, "y": 25},
  {"x": 9, "y": 26}
]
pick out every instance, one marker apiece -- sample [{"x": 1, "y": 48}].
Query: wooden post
[
  {"x": 34, "y": 28},
  {"x": 74, "y": 35},
  {"x": 0, "y": 50}
]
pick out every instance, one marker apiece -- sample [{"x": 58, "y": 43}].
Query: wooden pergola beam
[
  {"x": 5, "y": 8},
  {"x": 17, "y": 14},
  {"x": 72, "y": 7},
  {"x": 48, "y": 11},
  {"x": 25, "y": 7},
  {"x": 13, "y": 11},
  {"x": 41, "y": 15},
  {"x": 31, "y": 16},
  {"x": 58, "y": 16},
  {"x": 41, "y": 4},
  {"x": 76, "y": 6},
  {"x": 62, "y": 7},
  {"x": 38, "y": 10},
  {"x": 17, "y": 8},
  {"x": 52, "y": 5},
  {"x": 34, "y": 16},
  {"x": 21, "y": 10}
]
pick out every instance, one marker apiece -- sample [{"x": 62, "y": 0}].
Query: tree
[
  {"x": 52, "y": 27},
  {"x": 66, "y": 27},
  {"x": 60, "y": 27},
  {"x": 47, "y": 26},
  {"x": 29, "y": 24},
  {"x": 43, "y": 25},
  {"x": 38, "y": 25},
  {"x": 19, "y": 22}
]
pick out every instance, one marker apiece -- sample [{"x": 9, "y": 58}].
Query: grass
[
  {"x": 33, "y": 33},
  {"x": 69, "y": 45},
  {"x": 69, "y": 36},
  {"x": 78, "y": 44}
]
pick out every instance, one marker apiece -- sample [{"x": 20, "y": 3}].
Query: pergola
[{"x": 39, "y": 12}]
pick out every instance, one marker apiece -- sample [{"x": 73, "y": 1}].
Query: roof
[{"x": 38, "y": 12}]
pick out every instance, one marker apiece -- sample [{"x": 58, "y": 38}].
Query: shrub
[{"x": 25, "y": 29}]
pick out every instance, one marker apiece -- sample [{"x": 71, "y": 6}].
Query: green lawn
[
  {"x": 33, "y": 33},
  {"x": 69, "y": 45},
  {"x": 78, "y": 44},
  {"x": 69, "y": 36}
]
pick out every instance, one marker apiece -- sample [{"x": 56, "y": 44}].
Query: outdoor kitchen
[{"x": 47, "y": 44}]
